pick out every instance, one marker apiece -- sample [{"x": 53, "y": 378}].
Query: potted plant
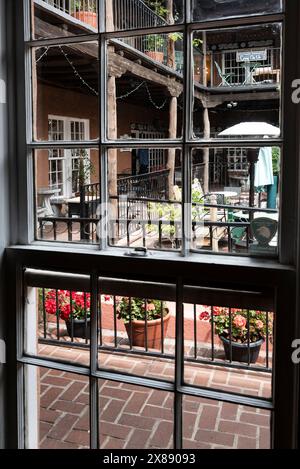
[
  {"x": 85, "y": 11},
  {"x": 134, "y": 312},
  {"x": 243, "y": 338},
  {"x": 154, "y": 44},
  {"x": 73, "y": 308}
]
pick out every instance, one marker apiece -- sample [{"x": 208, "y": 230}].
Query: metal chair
[{"x": 224, "y": 76}]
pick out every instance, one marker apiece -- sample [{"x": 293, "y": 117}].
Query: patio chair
[
  {"x": 224, "y": 76},
  {"x": 237, "y": 235}
]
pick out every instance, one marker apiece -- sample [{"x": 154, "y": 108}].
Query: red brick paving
[{"x": 135, "y": 417}]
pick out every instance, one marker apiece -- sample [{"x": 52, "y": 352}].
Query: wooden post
[
  {"x": 112, "y": 163},
  {"x": 172, "y": 151},
  {"x": 206, "y": 123},
  {"x": 213, "y": 218},
  {"x": 109, "y": 16},
  {"x": 171, "y": 43}
]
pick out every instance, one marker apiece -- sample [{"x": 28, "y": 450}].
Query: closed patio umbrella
[{"x": 263, "y": 168}]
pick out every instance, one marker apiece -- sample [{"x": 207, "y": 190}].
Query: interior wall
[{"x": 4, "y": 212}]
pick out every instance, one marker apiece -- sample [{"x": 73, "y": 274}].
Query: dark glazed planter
[
  {"x": 81, "y": 328},
  {"x": 240, "y": 351},
  {"x": 154, "y": 336}
]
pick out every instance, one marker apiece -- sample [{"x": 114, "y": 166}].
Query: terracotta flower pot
[
  {"x": 87, "y": 17},
  {"x": 155, "y": 55},
  {"x": 239, "y": 352},
  {"x": 154, "y": 336}
]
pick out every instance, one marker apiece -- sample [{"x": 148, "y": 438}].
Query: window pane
[
  {"x": 209, "y": 424},
  {"x": 145, "y": 190},
  {"x": 67, "y": 195},
  {"x": 135, "y": 417},
  {"x": 61, "y": 18},
  {"x": 57, "y": 324},
  {"x": 229, "y": 348},
  {"x": 240, "y": 72},
  {"x": 56, "y": 409},
  {"x": 217, "y": 9},
  {"x": 235, "y": 195},
  {"x": 136, "y": 14},
  {"x": 145, "y": 87},
  {"x": 65, "y": 92},
  {"x": 137, "y": 328}
]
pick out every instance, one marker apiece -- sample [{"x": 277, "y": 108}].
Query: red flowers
[{"x": 64, "y": 303}]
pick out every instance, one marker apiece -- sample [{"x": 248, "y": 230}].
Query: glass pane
[
  {"x": 236, "y": 199},
  {"x": 67, "y": 195},
  {"x": 145, "y": 87},
  {"x": 65, "y": 92},
  {"x": 57, "y": 324},
  {"x": 217, "y": 9},
  {"x": 136, "y": 14},
  {"x": 229, "y": 348},
  {"x": 137, "y": 328},
  {"x": 145, "y": 190},
  {"x": 209, "y": 424},
  {"x": 56, "y": 409},
  {"x": 61, "y": 18},
  {"x": 229, "y": 66},
  {"x": 135, "y": 417}
]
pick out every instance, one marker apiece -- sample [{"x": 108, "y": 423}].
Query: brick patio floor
[{"x": 136, "y": 417}]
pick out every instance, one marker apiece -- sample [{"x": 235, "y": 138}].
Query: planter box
[{"x": 87, "y": 17}]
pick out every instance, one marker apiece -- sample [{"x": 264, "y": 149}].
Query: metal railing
[
  {"x": 132, "y": 14},
  {"x": 58, "y": 326},
  {"x": 72, "y": 7},
  {"x": 156, "y": 224}
]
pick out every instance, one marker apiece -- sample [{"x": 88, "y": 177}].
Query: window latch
[{"x": 137, "y": 252}]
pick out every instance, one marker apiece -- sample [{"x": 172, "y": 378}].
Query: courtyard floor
[{"x": 135, "y": 417}]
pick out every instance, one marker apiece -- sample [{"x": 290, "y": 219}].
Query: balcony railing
[
  {"x": 71, "y": 7},
  {"x": 131, "y": 14},
  {"x": 202, "y": 342}
]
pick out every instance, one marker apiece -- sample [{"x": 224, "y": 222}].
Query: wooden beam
[
  {"x": 118, "y": 66},
  {"x": 47, "y": 30}
]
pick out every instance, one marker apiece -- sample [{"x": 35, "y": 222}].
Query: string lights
[
  {"x": 84, "y": 82},
  {"x": 76, "y": 73}
]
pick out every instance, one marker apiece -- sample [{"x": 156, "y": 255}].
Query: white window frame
[{"x": 67, "y": 159}]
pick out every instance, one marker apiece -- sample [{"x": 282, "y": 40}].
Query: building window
[{"x": 65, "y": 165}]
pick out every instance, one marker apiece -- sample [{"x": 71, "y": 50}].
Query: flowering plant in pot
[
  {"x": 144, "y": 320},
  {"x": 85, "y": 11},
  {"x": 73, "y": 308},
  {"x": 241, "y": 331}
]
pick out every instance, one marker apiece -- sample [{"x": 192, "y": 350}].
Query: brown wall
[{"x": 66, "y": 103}]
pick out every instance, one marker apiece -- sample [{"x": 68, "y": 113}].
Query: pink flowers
[
  {"x": 150, "y": 307},
  {"x": 240, "y": 322},
  {"x": 259, "y": 324}
]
